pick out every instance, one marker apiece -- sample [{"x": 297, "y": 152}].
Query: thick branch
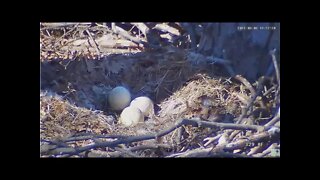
[
  {"x": 253, "y": 98},
  {"x": 254, "y": 138},
  {"x": 193, "y": 122},
  {"x": 126, "y": 35}
]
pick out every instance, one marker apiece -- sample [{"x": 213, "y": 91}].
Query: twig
[
  {"x": 233, "y": 134},
  {"x": 167, "y": 28},
  {"x": 142, "y": 27},
  {"x": 60, "y": 25},
  {"x": 155, "y": 146},
  {"x": 267, "y": 151},
  {"x": 126, "y": 151},
  {"x": 269, "y": 90},
  {"x": 100, "y": 154},
  {"x": 60, "y": 38},
  {"x": 193, "y": 122},
  {"x": 199, "y": 123},
  {"x": 126, "y": 35},
  {"x": 274, "y": 60},
  {"x": 94, "y": 42},
  {"x": 246, "y": 83},
  {"x": 257, "y": 149},
  {"x": 254, "y": 138},
  {"x": 159, "y": 83},
  {"x": 196, "y": 58},
  {"x": 206, "y": 152},
  {"x": 211, "y": 139},
  {"x": 86, "y": 137},
  {"x": 273, "y": 120},
  {"x": 253, "y": 98}
]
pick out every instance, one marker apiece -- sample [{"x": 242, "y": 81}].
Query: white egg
[
  {"x": 119, "y": 98},
  {"x": 145, "y": 105},
  {"x": 131, "y": 116}
]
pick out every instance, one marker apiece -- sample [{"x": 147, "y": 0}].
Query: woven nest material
[
  {"x": 171, "y": 81},
  {"x": 60, "y": 119},
  {"x": 76, "y": 78},
  {"x": 201, "y": 97}
]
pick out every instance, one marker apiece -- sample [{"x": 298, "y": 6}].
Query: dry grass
[{"x": 179, "y": 88}]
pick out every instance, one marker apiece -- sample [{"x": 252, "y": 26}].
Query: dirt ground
[{"x": 206, "y": 105}]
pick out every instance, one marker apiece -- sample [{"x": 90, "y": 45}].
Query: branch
[
  {"x": 207, "y": 152},
  {"x": 126, "y": 35},
  {"x": 86, "y": 137},
  {"x": 142, "y": 27},
  {"x": 154, "y": 146},
  {"x": 254, "y": 138},
  {"x": 246, "y": 83},
  {"x": 273, "y": 121},
  {"x": 61, "y": 25},
  {"x": 274, "y": 60},
  {"x": 193, "y": 122},
  {"x": 267, "y": 151},
  {"x": 167, "y": 28},
  {"x": 128, "y": 151},
  {"x": 253, "y": 98},
  {"x": 200, "y": 123},
  {"x": 95, "y": 44}
]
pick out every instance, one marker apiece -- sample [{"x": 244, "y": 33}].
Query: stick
[
  {"x": 142, "y": 27},
  {"x": 274, "y": 60},
  {"x": 126, "y": 151},
  {"x": 253, "y": 98},
  {"x": 126, "y": 35},
  {"x": 267, "y": 151},
  {"x": 200, "y": 152},
  {"x": 193, "y": 122},
  {"x": 60, "y": 25},
  {"x": 273, "y": 121},
  {"x": 86, "y": 137},
  {"x": 94, "y": 42},
  {"x": 254, "y": 138},
  {"x": 246, "y": 83},
  {"x": 167, "y": 28}
]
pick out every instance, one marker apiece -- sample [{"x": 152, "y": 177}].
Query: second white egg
[
  {"x": 131, "y": 116},
  {"x": 145, "y": 105}
]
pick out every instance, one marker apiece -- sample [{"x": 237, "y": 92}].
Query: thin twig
[
  {"x": 193, "y": 122},
  {"x": 253, "y": 98},
  {"x": 275, "y": 63},
  {"x": 273, "y": 120},
  {"x": 94, "y": 42},
  {"x": 142, "y": 27},
  {"x": 267, "y": 151},
  {"x": 211, "y": 139},
  {"x": 126, "y": 151},
  {"x": 254, "y": 138},
  {"x": 60, "y": 38},
  {"x": 269, "y": 90},
  {"x": 154, "y": 146},
  {"x": 246, "y": 83},
  {"x": 86, "y": 137},
  {"x": 61, "y": 25},
  {"x": 257, "y": 149},
  {"x": 199, "y": 123},
  {"x": 126, "y": 35},
  {"x": 274, "y": 60},
  {"x": 206, "y": 152}
]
